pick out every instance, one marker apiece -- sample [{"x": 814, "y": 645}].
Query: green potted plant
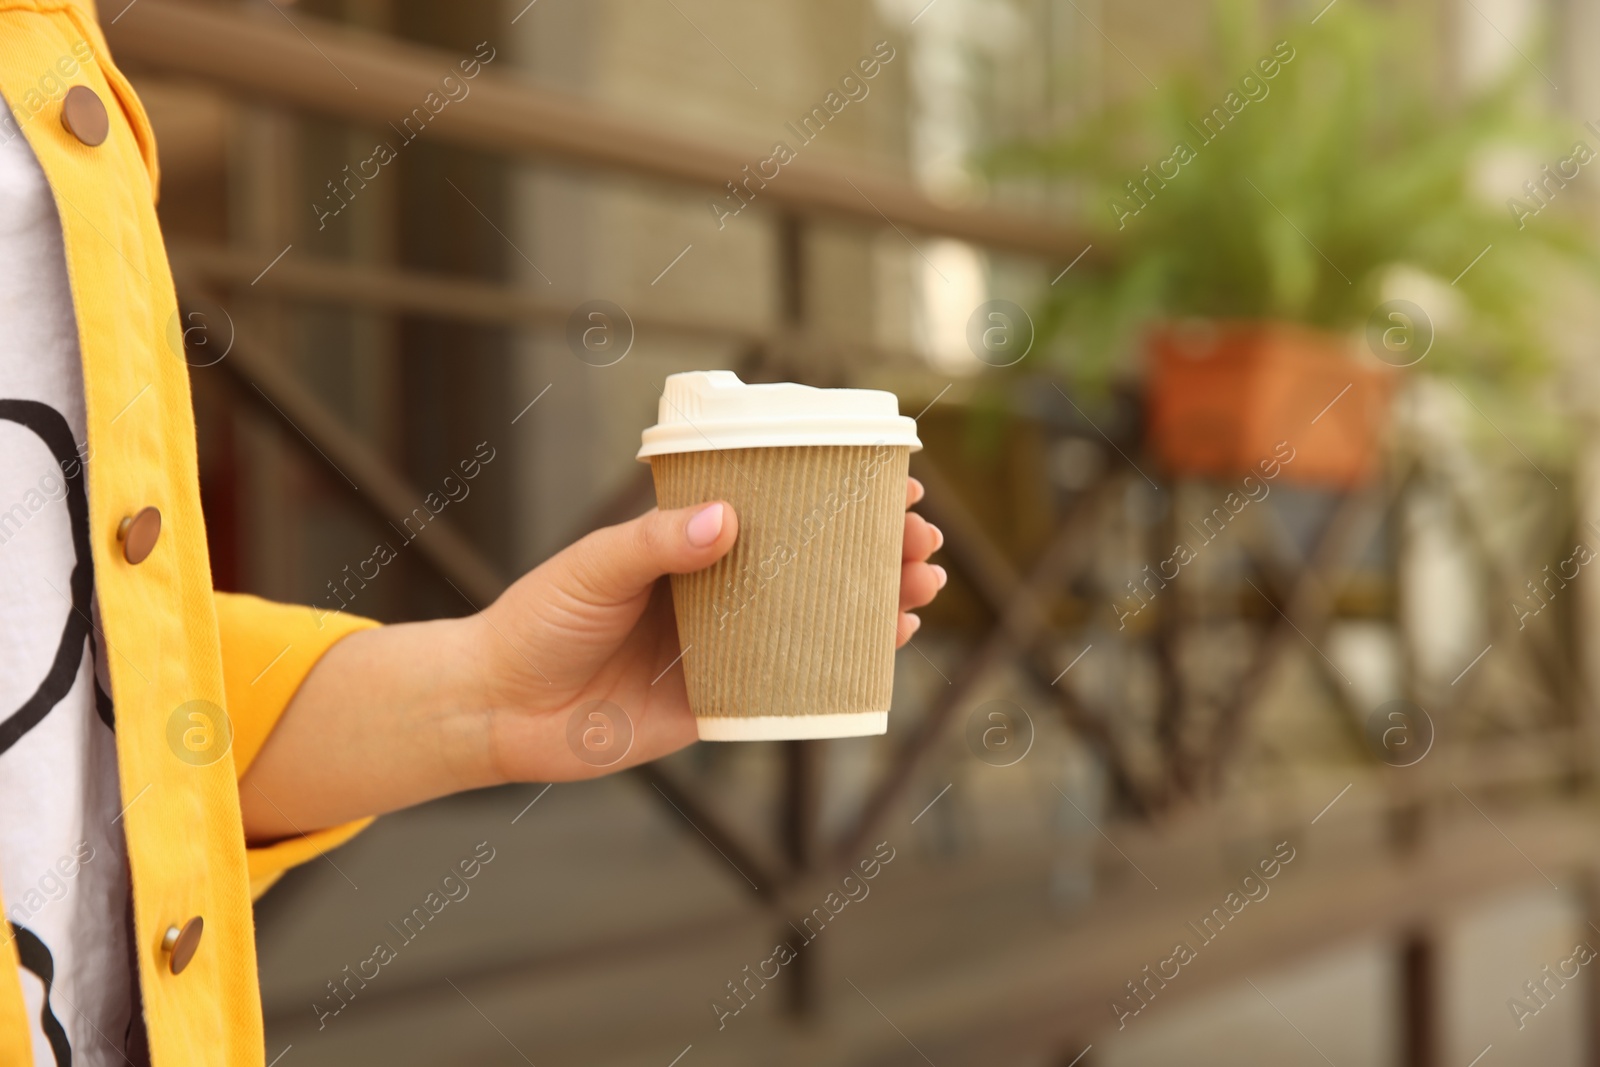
[{"x": 1251, "y": 211}]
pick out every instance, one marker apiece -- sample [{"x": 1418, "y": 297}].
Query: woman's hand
[
  {"x": 396, "y": 715},
  {"x": 594, "y": 624}
]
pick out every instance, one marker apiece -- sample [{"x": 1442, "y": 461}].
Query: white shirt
[{"x": 63, "y": 865}]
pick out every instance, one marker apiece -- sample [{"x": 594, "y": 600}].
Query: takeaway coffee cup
[{"x": 791, "y": 634}]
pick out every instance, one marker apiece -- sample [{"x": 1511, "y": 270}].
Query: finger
[
  {"x": 904, "y": 628},
  {"x": 922, "y": 538},
  {"x": 920, "y": 583},
  {"x": 914, "y": 491},
  {"x": 618, "y": 563}
]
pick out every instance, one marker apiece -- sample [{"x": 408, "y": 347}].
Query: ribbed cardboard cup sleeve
[{"x": 798, "y": 620}]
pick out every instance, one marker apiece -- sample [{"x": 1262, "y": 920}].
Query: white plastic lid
[{"x": 706, "y": 410}]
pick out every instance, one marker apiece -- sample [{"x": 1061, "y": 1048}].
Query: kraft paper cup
[{"x": 792, "y": 634}]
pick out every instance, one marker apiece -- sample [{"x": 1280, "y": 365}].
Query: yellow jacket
[{"x": 170, "y": 638}]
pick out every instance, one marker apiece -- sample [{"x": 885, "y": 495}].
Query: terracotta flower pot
[{"x": 1223, "y": 395}]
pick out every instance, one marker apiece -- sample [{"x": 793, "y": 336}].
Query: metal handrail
[
  {"x": 460, "y": 299},
  {"x": 336, "y": 71}
]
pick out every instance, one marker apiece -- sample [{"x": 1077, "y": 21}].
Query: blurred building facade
[{"x": 429, "y": 313}]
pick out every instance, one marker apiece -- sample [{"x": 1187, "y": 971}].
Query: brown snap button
[
  {"x": 138, "y": 534},
  {"x": 178, "y": 944},
  {"x": 84, "y": 115}
]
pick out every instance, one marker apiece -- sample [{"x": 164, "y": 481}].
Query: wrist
[
  {"x": 452, "y": 710},
  {"x": 425, "y": 733}
]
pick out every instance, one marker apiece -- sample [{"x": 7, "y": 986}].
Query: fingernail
[
  {"x": 916, "y": 623},
  {"x": 939, "y": 573},
  {"x": 940, "y": 534},
  {"x": 705, "y": 527}
]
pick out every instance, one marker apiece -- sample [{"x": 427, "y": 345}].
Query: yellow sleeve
[{"x": 267, "y": 651}]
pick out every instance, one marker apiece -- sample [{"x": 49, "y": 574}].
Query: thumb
[{"x": 618, "y": 563}]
